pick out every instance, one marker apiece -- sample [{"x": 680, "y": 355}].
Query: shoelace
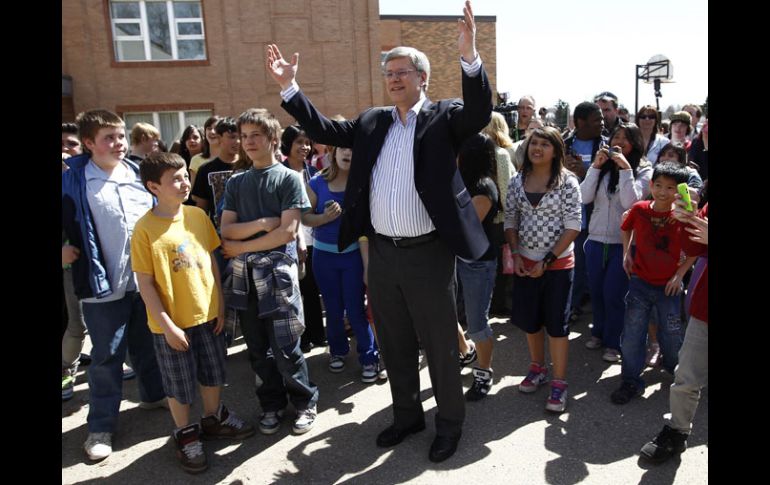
[
  {"x": 193, "y": 449},
  {"x": 233, "y": 421},
  {"x": 556, "y": 393},
  {"x": 532, "y": 375},
  {"x": 306, "y": 414}
]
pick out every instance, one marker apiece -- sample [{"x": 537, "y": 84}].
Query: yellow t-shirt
[
  {"x": 177, "y": 252},
  {"x": 197, "y": 161}
]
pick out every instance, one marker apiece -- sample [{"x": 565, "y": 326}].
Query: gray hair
[{"x": 418, "y": 58}]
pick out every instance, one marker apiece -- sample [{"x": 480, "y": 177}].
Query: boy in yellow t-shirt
[{"x": 179, "y": 282}]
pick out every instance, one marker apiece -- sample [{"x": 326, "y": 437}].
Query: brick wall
[{"x": 338, "y": 42}]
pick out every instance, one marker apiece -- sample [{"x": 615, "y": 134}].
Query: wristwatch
[{"x": 549, "y": 258}]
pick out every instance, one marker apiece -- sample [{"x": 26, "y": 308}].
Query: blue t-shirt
[
  {"x": 327, "y": 235},
  {"x": 583, "y": 149}
]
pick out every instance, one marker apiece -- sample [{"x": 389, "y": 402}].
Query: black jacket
[{"x": 441, "y": 129}]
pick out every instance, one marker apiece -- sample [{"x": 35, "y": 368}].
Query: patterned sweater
[{"x": 540, "y": 227}]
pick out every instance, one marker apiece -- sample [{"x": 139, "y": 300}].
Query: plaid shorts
[{"x": 204, "y": 360}]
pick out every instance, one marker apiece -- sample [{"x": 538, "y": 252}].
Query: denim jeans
[
  {"x": 691, "y": 375},
  {"x": 114, "y": 327},
  {"x": 282, "y": 370},
  {"x": 580, "y": 283},
  {"x": 642, "y": 299},
  {"x": 478, "y": 281},
  {"x": 340, "y": 278},
  {"x": 609, "y": 284}
]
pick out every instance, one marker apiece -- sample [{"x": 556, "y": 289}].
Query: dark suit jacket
[{"x": 441, "y": 129}]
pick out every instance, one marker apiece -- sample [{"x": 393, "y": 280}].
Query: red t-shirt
[
  {"x": 658, "y": 247},
  {"x": 699, "y": 304}
]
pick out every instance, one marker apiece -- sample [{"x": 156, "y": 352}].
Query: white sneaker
[
  {"x": 611, "y": 355},
  {"x": 594, "y": 343},
  {"x": 98, "y": 446},
  {"x": 305, "y": 420},
  {"x": 160, "y": 403}
]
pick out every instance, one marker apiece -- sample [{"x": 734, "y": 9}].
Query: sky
[{"x": 575, "y": 49}]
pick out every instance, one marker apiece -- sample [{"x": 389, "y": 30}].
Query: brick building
[{"x": 176, "y": 62}]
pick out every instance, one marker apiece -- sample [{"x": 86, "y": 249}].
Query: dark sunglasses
[
  {"x": 72, "y": 144},
  {"x": 648, "y": 117}
]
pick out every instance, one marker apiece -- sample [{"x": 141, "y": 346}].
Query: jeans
[
  {"x": 114, "y": 327},
  {"x": 642, "y": 299},
  {"x": 580, "y": 283},
  {"x": 478, "y": 281},
  {"x": 341, "y": 280},
  {"x": 609, "y": 284},
  {"x": 691, "y": 375},
  {"x": 282, "y": 370}
]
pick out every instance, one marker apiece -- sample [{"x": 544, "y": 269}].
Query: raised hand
[
  {"x": 282, "y": 71},
  {"x": 466, "y": 28}
]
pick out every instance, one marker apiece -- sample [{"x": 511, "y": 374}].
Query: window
[
  {"x": 169, "y": 123},
  {"x": 157, "y": 30}
]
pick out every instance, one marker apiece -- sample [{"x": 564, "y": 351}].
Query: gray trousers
[
  {"x": 412, "y": 293},
  {"x": 690, "y": 376}
]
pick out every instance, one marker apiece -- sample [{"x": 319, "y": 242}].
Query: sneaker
[
  {"x": 557, "y": 402},
  {"x": 160, "y": 403},
  {"x": 305, "y": 420},
  {"x": 654, "y": 357},
  {"x": 370, "y": 373},
  {"x": 594, "y": 343},
  {"x": 611, "y": 355},
  {"x": 67, "y": 384},
  {"x": 536, "y": 376},
  {"x": 469, "y": 357},
  {"x": 668, "y": 443},
  {"x": 128, "y": 373},
  {"x": 625, "y": 393},
  {"x": 270, "y": 421},
  {"x": 336, "y": 363},
  {"x": 482, "y": 383},
  {"x": 98, "y": 446},
  {"x": 189, "y": 449},
  {"x": 225, "y": 424},
  {"x": 383, "y": 373}
]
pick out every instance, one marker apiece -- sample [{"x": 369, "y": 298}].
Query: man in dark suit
[{"x": 405, "y": 194}]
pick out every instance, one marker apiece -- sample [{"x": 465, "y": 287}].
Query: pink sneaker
[{"x": 536, "y": 376}]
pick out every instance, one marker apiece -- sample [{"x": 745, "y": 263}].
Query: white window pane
[
  {"x": 187, "y": 10},
  {"x": 125, "y": 10},
  {"x": 197, "y": 118},
  {"x": 169, "y": 127},
  {"x": 191, "y": 49},
  {"x": 189, "y": 28},
  {"x": 132, "y": 28},
  {"x": 160, "y": 37},
  {"x": 129, "y": 50}
]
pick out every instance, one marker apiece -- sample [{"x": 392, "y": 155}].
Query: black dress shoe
[
  {"x": 392, "y": 436},
  {"x": 442, "y": 448}
]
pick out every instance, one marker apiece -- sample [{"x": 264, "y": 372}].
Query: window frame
[
  {"x": 143, "y": 36},
  {"x": 156, "y": 109}
]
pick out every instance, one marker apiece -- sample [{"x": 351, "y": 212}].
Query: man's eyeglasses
[
  {"x": 647, "y": 117},
  {"x": 389, "y": 75}
]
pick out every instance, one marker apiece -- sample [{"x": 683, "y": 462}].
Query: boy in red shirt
[{"x": 656, "y": 279}]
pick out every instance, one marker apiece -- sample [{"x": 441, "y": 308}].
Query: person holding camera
[
  {"x": 618, "y": 178},
  {"x": 339, "y": 273}
]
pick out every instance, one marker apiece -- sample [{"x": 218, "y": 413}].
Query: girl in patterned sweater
[{"x": 542, "y": 219}]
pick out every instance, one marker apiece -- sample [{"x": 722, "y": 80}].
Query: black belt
[{"x": 409, "y": 242}]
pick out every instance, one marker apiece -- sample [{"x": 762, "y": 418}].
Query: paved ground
[{"x": 508, "y": 437}]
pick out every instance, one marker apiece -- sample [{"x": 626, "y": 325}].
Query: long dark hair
[
  {"x": 646, "y": 109},
  {"x": 476, "y": 160},
  {"x": 634, "y": 136},
  {"x": 552, "y": 136},
  {"x": 186, "y": 134},
  {"x": 212, "y": 121}
]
